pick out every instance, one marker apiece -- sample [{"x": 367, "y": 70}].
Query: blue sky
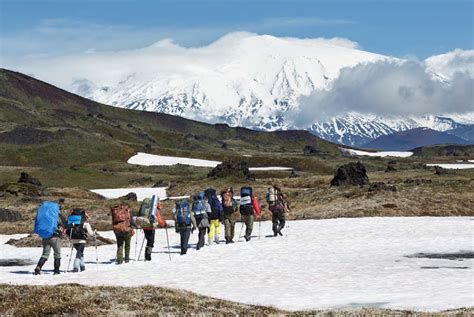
[{"x": 400, "y": 28}]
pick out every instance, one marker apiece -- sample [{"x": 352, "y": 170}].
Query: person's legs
[
  {"x": 227, "y": 223},
  {"x": 56, "y": 245},
  {"x": 44, "y": 256},
  {"x": 249, "y": 226},
  {"x": 212, "y": 228},
  {"x": 282, "y": 220},
  {"x": 275, "y": 224},
  {"x": 128, "y": 239},
  {"x": 201, "y": 238},
  {"x": 217, "y": 225},
  {"x": 120, "y": 242},
  {"x": 232, "y": 229},
  {"x": 150, "y": 242},
  {"x": 77, "y": 260},
  {"x": 185, "y": 233}
]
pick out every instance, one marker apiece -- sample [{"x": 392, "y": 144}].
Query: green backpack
[{"x": 145, "y": 208}]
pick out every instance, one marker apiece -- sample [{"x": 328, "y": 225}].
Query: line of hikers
[{"x": 205, "y": 214}]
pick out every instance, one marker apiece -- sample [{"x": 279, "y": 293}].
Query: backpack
[
  {"x": 199, "y": 205},
  {"x": 215, "y": 203},
  {"x": 278, "y": 203},
  {"x": 46, "y": 221},
  {"x": 229, "y": 204},
  {"x": 75, "y": 225},
  {"x": 270, "y": 196},
  {"x": 148, "y": 208},
  {"x": 120, "y": 218},
  {"x": 246, "y": 206},
  {"x": 182, "y": 213}
]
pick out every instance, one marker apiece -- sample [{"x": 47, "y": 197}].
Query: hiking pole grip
[{"x": 72, "y": 246}]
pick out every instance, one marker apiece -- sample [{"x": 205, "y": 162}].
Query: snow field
[
  {"x": 378, "y": 154},
  {"x": 318, "y": 264},
  {"x": 452, "y": 165}
]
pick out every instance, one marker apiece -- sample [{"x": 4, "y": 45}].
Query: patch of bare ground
[{"x": 74, "y": 299}]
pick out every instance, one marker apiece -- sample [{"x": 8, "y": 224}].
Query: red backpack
[{"x": 120, "y": 219}]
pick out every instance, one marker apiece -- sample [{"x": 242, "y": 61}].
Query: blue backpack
[
  {"x": 46, "y": 221},
  {"x": 215, "y": 203},
  {"x": 183, "y": 213},
  {"x": 199, "y": 205}
]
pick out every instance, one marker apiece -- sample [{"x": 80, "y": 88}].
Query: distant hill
[
  {"x": 465, "y": 131},
  {"x": 407, "y": 140},
  {"x": 42, "y": 125},
  {"x": 444, "y": 150}
]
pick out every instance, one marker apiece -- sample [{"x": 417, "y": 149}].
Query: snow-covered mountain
[{"x": 254, "y": 81}]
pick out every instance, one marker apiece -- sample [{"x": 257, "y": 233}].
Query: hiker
[
  {"x": 200, "y": 209},
  {"x": 229, "y": 207},
  {"x": 249, "y": 208},
  {"x": 49, "y": 226},
  {"x": 215, "y": 216},
  {"x": 79, "y": 235},
  {"x": 278, "y": 207},
  {"x": 185, "y": 223},
  {"x": 122, "y": 223},
  {"x": 150, "y": 212}
]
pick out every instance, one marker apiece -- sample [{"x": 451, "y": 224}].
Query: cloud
[
  {"x": 398, "y": 88},
  {"x": 452, "y": 62}
]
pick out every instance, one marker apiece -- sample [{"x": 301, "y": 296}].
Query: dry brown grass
[{"x": 74, "y": 299}]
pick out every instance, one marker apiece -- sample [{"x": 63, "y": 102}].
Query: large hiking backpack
[
  {"x": 228, "y": 202},
  {"x": 246, "y": 206},
  {"x": 214, "y": 202},
  {"x": 120, "y": 218},
  {"x": 46, "y": 221},
  {"x": 148, "y": 208},
  {"x": 75, "y": 224},
  {"x": 182, "y": 213},
  {"x": 199, "y": 205}
]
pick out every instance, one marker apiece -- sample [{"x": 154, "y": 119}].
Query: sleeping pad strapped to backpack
[
  {"x": 246, "y": 206},
  {"x": 46, "y": 221}
]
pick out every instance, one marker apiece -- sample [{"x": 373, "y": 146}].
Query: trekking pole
[
  {"x": 168, "y": 241},
  {"x": 72, "y": 247},
  {"x": 136, "y": 245},
  {"x": 259, "y": 227},
  {"x": 96, "y": 254},
  {"x": 141, "y": 248}
]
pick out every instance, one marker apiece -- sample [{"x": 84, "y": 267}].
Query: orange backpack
[{"x": 121, "y": 219}]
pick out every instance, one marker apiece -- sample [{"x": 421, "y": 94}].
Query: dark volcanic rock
[
  {"x": 350, "y": 174},
  {"x": 380, "y": 186},
  {"x": 129, "y": 196},
  {"x": 7, "y": 215},
  {"x": 310, "y": 150},
  {"x": 390, "y": 168},
  {"x": 25, "y": 178},
  {"x": 293, "y": 174},
  {"x": 440, "y": 171},
  {"x": 26, "y": 135},
  {"x": 161, "y": 183},
  {"x": 232, "y": 168},
  {"x": 419, "y": 181}
]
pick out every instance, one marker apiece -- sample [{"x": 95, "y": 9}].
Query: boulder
[
  {"x": 390, "y": 168},
  {"x": 130, "y": 196},
  {"x": 293, "y": 174},
  {"x": 25, "y": 178},
  {"x": 232, "y": 168},
  {"x": 309, "y": 150},
  {"x": 161, "y": 183},
  {"x": 440, "y": 171},
  {"x": 350, "y": 174},
  {"x": 7, "y": 215}
]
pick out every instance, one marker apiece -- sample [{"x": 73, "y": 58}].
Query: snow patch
[
  {"x": 152, "y": 159},
  {"x": 377, "y": 154},
  {"x": 141, "y": 192},
  {"x": 453, "y": 166},
  {"x": 317, "y": 264}
]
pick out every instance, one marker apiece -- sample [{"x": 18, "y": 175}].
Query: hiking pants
[
  {"x": 150, "y": 242},
  {"x": 229, "y": 225},
  {"x": 79, "y": 260},
  {"x": 278, "y": 220},
  {"x": 202, "y": 235},
  {"x": 49, "y": 243},
  {"x": 214, "y": 227},
  {"x": 184, "y": 232},
  {"x": 248, "y": 220},
  {"x": 123, "y": 240}
]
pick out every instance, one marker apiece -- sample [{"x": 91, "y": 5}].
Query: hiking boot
[
  {"x": 231, "y": 241},
  {"x": 217, "y": 240},
  {"x": 57, "y": 264},
  {"x": 83, "y": 268},
  {"x": 275, "y": 234},
  {"x": 247, "y": 238},
  {"x": 147, "y": 257},
  {"x": 279, "y": 232},
  {"x": 127, "y": 260},
  {"x": 38, "y": 267},
  {"x": 75, "y": 270}
]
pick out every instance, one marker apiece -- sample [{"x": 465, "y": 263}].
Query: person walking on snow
[
  {"x": 229, "y": 206},
  {"x": 122, "y": 224},
  {"x": 215, "y": 216},
  {"x": 150, "y": 232},
  {"x": 278, "y": 207},
  {"x": 200, "y": 209},
  {"x": 79, "y": 235},
  {"x": 185, "y": 223},
  {"x": 249, "y": 208},
  {"x": 54, "y": 242}
]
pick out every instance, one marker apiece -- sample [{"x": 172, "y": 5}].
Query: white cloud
[
  {"x": 452, "y": 62},
  {"x": 400, "y": 88}
]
